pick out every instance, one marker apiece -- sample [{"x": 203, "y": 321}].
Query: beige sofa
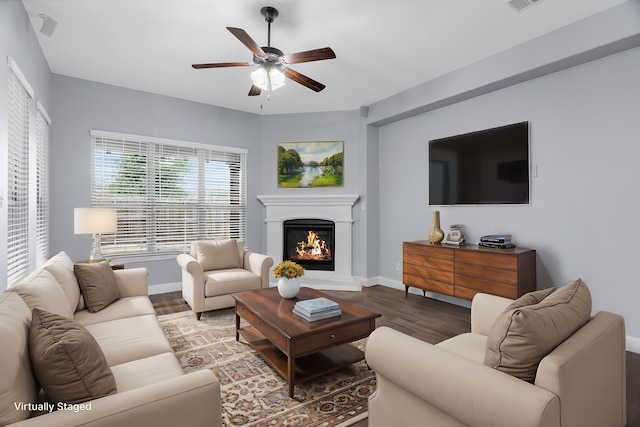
[
  {"x": 215, "y": 269},
  {"x": 580, "y": 383},
  {"x": 152, "y": 388}
]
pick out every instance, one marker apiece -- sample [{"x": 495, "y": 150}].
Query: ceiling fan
[{"x": 273, "y": 64}]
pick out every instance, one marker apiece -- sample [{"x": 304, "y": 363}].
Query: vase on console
[{"x": 437, "y": 235}]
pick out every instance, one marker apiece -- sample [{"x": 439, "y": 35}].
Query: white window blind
[
  {"x": 167, "y": 193},
  {"x": 43, "y": 122},
  {"x": 19, "y": 93}
]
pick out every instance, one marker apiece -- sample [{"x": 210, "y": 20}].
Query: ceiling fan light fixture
[
  {"x": 260, "y": 78},
  {"x": 268, "y": 78},
  {"x": 273, "y": 65},
  {"x": 276, "y": 77}
]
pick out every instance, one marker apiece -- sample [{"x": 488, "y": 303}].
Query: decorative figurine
[{"x": 455, "y": 236}]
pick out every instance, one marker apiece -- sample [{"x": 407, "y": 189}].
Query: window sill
[{"x": 130, "y": 259}]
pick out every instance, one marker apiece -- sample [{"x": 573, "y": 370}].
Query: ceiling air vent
[{"x": 519, "y": 5}]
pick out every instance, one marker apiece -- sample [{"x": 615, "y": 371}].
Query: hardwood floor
[{"x": 425, "y": 319}]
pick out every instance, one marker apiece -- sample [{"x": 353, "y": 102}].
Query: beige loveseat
[
  {"x": 215, "y": 269},
  {"x": 580, "y": 383},
  {"x": 151, "y": 388}
]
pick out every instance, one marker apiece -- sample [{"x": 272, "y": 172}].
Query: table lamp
[{"x": 96, "y": 222}]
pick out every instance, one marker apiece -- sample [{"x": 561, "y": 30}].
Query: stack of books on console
[
  {"x": 499, "y": 241},
  {"x": 316, "y": 309}
]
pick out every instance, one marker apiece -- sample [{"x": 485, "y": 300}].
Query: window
[
  {"x": 19, "y": 95},
  {"x": 43, "y": 122},
  {"x": 167, "y": 193}
]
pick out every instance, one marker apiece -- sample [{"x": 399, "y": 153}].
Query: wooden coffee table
[{"x": 300, "y": 350}]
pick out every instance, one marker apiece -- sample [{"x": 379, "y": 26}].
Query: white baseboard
[
  {"x": 370, "y": 281},
  {"x": 389, "y": 283},
  {"x": 633, "y": 344},
  {"x": 347, "y": 283},
  {"x": 163, "y": 288}
]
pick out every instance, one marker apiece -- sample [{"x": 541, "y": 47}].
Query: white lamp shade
[{"x": 94, "y": 221}]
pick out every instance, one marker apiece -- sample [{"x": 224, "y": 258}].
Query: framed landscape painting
[{"x": 310, "y": 164}]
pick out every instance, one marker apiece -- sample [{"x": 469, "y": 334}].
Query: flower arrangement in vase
[{"x": 287, "y": 273}]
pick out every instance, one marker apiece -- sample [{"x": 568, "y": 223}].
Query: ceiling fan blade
[
  {"x": 221, "y": 65},
  {"x": 303, "y": 80},
  {"x": 255, "y": 90},
  {"x": 309, "y": 55},
  {"x": 247, "y": 41}
]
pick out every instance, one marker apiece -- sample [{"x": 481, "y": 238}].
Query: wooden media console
[{"x": 464, "y": 271}]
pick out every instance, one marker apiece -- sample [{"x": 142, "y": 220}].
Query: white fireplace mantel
[{"x": 337, "y": 208}]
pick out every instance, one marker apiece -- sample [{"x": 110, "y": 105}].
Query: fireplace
[
  {"x": 336, "y": 208},
  {"x": 310, "y": 243}
]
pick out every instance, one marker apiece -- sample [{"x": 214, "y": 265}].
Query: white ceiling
[{"x": 383, "y": 47}]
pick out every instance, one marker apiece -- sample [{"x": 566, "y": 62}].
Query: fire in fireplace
[{"x": 310, "y": 243}]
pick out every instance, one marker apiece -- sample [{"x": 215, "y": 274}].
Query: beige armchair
[
  {"x": 215, "y": 269},
  {"x": 580, "y": 383}
]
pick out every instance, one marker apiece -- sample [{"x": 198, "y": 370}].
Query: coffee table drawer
[
  {"x": 272, "y": 335},
  {"x": 341, "y": 335}
]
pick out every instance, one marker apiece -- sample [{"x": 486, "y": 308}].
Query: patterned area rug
[{"x": 255, "y": 395}]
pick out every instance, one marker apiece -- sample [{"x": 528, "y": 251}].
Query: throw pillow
[
  {"x": 217, "y": 254},
  {"x": 98, "y": 284},
  {"x": 530, "y": 298},
  {"x": 61, "y": 267},
  {"x": 67, "y": 360},
  {"x": 44, "y": 292},
  {"x": 523, "y": 335}
]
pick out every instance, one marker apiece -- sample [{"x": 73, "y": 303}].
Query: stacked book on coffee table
[
  {"x": 499, "y": 241},
  {"x": 316, "y": 309}
]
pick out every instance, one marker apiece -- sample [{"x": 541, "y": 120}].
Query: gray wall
[
  {"x": 81, "y": 105},
  {"x": 334, "y": 126},
  {"x": 582, "y": 219},
  {"x": 584, "y": 201}
]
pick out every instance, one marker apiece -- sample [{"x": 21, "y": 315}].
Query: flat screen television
[{"x": 487, "y": 167}]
